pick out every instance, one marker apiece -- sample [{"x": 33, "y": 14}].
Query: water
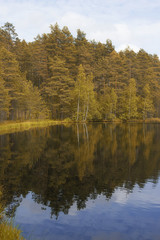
[{"x": 83, "y": 182}]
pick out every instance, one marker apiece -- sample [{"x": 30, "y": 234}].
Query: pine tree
[
  {"x": 102, "y": 79},
  {"x": 84, "y": 52},
  {"x": 32, "y": 105},
  {"x": 108, "y": 102},
  {"x": 131, "y": 99},
  {"x": 4, "y": 101},
  {"x": 113, "y": 104},
  {"x": 10, "y": 73},
  {"x": 155, "y": 84},
  {"x": 22, "y": 97},
  {"x": 69, "y": 51},
  {"x": 38, "y": 71},
  {"x": 57, "y": 89},
  {"x": 147, "y": 103},
  {"x": 24, "y": 56},
  {"x": 8, "y": 36},
  {"x": 52, "y": 41}
]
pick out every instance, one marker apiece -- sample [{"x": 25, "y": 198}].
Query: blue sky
[{"x": 126, "y": 22}]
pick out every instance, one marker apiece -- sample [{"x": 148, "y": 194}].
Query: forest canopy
[{"x": 58, "y": 76}]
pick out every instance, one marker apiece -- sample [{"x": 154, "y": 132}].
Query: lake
[{"x": 83, "y": 182}]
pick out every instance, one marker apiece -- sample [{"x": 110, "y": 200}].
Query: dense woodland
[{"x": 58, "y": 76}]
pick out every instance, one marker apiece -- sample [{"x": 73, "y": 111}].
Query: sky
[{"x": 134, "y": 23}]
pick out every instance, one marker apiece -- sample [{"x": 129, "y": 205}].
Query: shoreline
[{"x": 14, "y": 126}]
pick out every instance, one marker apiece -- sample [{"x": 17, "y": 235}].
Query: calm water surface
[{"x": 83, "y": 182}]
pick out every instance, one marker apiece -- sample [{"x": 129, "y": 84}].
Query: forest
[{"x": 58, "y": 76}]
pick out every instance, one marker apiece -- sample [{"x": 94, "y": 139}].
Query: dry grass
[
  {"x": 10, "y": 127},
  {"x": 148, "y": 120},
  {"x": 7, "y": 230},
  {"x": 152, "y": 120}
]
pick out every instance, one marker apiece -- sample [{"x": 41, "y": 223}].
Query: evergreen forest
[{"x": 58, "y": 76}]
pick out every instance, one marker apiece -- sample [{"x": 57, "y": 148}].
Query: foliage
[
  {"x": 58, "y": 76},
  {"x": 147, "y": 102}
]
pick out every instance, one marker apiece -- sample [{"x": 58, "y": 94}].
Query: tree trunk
[
  {"x": 87, "y": 108},
  {"x": 78, "y": 110}
]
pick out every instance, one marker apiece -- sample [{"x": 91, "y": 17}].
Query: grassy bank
[
  {"x": 152, "y": 120},
  {"x": 116, "y": 120},
  {"x": 10, "y": 127},
  {"x": 148, "y": 120},
  {"x": 7, "y": 230}
]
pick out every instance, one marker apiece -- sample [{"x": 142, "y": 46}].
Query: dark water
[{"x": 83, "y": 182}]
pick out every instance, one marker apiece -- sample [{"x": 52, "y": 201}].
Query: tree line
[{"x": 58, "y": 76}]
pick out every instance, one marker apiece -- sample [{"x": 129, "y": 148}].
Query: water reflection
[{"x": 62, "y": 170}]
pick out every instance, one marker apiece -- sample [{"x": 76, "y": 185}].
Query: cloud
[
  {"x": 77, "y": 21},
  {"x": 128, "y": 45},
  {"x": 120, "y": 196},
  {"x": 138, "y": 197},
  {"x": 134, "y": 23},
  {"x": 31, "y": 212}
]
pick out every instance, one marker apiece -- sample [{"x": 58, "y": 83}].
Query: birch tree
[{"x": 84, "y": 96}]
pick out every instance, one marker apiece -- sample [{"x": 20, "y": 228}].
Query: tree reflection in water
[{"x": 66, "y": 165}]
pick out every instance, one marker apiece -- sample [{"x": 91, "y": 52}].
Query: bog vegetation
[
  {"x": 7, "y": 230},
  {"x": 61, "y": 77}
]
